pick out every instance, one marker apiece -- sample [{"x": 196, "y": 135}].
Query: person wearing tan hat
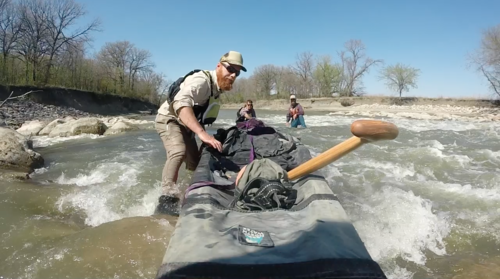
[
  {"x": 295, "y": 114},
  {"x": 191, "y": 104}
]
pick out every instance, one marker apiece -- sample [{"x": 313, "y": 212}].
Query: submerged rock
[{"x": 7, "y": 175}]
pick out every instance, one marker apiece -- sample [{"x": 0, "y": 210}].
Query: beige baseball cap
[
  {"x": 292, "y": 97},
  {"x": 234, "y": 58}
]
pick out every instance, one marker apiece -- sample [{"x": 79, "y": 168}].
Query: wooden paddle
[{"x": 364, "y": 131}]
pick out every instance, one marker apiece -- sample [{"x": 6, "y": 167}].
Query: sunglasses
[
  {"x": 231, "y": 69},
  {"x": 250, "y": 105}
]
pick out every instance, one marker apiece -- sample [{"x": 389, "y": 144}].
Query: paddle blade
[{"x": 374, "y": 130}]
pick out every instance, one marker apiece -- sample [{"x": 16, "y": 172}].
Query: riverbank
[
  {"x": 14, "y": 114},
  {"x": 49, "y": 103},
  {"x": 418, "y": 108}
]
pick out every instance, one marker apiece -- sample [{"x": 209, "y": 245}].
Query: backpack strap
[
  {"x": 211, "y": 83},
  {"x": 175, "y": 87}
]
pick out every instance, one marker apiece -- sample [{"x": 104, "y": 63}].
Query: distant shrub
[
  {"x": 346, "y": 102},
  {"x": 402, "y": 101}
]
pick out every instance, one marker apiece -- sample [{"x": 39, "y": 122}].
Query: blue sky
[{"x": 434, "y": 36}]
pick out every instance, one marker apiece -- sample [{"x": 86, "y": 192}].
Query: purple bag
[{"x": 255, "y": 127}]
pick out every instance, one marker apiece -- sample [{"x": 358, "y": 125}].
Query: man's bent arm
[{"x": 187, "y": 117}]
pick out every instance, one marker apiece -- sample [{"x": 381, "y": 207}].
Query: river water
[{"x": 427, "y": 205}]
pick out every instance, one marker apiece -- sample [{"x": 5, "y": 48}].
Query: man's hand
[
  {"x": 187, "y": 117},
  {"x": 210, "y": 140}
]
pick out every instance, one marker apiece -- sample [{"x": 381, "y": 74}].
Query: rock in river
[{"x": 16, "y": 152}]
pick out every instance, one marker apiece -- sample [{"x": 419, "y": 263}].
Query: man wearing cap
[
  {"x": 295, "y": 114},
  {"x": 191, "y": 104},
  {"x": 246, "y": 113}
]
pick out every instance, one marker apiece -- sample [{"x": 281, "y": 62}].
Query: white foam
[
  {"x": 112, "y": 190},
  {"x": 383, "y": 222},
  {"x": 95, "y": 176},
  {"x": 397, "y": 272},
  {"x": 493, "y": 156},
  {"x": 468, "y": 192},
  {"x": 44, "y": 141}
]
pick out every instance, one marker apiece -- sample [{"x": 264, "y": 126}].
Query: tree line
[
  {"x": 322, "y": 76},
  {"x": 325, "y": 76},
  {"x": 43, "y": 43}
]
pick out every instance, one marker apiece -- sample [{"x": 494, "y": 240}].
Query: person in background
[
  {"x": 295, "y": 114},
  {"x": 247, "y": 112}
]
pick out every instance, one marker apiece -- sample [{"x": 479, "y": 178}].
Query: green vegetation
[
  {"x": 42, "y": 44},
  {"x": 400, "y": 77},
  {"x": 309, "y": 76}
]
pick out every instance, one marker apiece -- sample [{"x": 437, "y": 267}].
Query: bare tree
[
  {"x": 486, "y": 59},
  {"x": 355, "y": 64},
  {"x": 400, "y": 77},
  {"x": 62, "y": 16},
  {"x": 304, "y": 67},
  {"x": 44, "y": 42},
  {"x": 243, "y": 85},
  {"x": 155, "y": 85},
  {"x": 122, "y": 62},
  {"x": 288, "y": 81},
  {"x": 4, "y": 4},
  {"x": 10, "y": 29},
  {"x": 113, "y": 58},
  {"x": 70, "y": 57},
  {"x": 34, "y": 16},
  {"x": 265, "y": 78},
  {"x": 139, "y": 60}
]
